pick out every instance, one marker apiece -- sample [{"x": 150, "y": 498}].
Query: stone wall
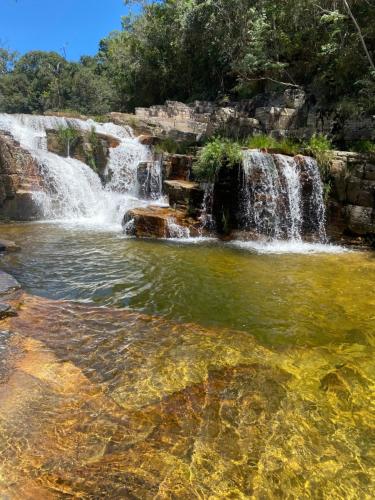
[
  {"x": 352, "y": 199},
  {"x": 19, "y": 177}
]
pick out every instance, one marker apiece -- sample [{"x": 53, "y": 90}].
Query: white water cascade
[
  {"x": 282, "y": 197},
  {"x": 73, "y": 191}
]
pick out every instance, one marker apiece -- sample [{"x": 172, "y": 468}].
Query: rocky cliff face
[
  {"x": 19, "y": 177},
  {"x": 289, "y": 114},
  {"x": 352, "y": 200}
]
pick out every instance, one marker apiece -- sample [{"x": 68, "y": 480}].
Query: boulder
[
  {"x": 294, "y": 98},
  {"x": 360, "y": 220},
  {"x": 158, "y": 222},
  {"x": 8, "y": 246},
  {"x": 177, "y": 166},
  {"x": 8, "y": 283},
  {"x": 351, "y": 207},
  {"x": 276, "y": 119},
  {"x": 6, "y": 310},
  {"x": 361, "y": 192},
  {"x": 184, "y": 195},
  {"x": 148, "y": 140}
]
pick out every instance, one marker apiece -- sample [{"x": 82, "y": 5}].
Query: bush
[
  {"x": 289, "y": 147},
  {"x": 67, "y": 137},
  {"x": 261, "y": 142},
  {"x": 216, "y": 154},
  {"x": 320, "y": 147},
  {"x": 94, "y": 142},
  {"x": 363, "y": 146},
  {"x": 282, "y": 146},
  {"x": 174, "y": 147},
  {"x": 319, "y": 143}
]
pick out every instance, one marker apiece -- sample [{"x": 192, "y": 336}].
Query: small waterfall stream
[
  {"x": 282, "y": 197},
  {"x": 74, "y": 192}
]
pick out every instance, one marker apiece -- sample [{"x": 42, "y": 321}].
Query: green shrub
[
  {"x": 216, "y": 154},
  {"x": 67, "y": 137},
  {"x": 94, "y": 142},
  {"x": 101, "y": 118},
  {"x": 319, "y": 143},
  {"x": 363, "y": 146},
  {"x": 261, "y": 142},
  {"x": 289, "y": 147},
  {"x": 171, "y": 146},
  {"x": 283, "y": 146},
  {"x": 320, "y": 147}
]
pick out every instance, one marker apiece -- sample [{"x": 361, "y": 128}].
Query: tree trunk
[{"x": 370, "y": 60}]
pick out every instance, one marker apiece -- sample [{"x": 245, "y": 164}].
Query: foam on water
[
  {"x": 288, "y": 247},
  {"x": 74, "y": 193}
]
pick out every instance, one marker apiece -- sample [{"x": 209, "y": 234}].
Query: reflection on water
[
  {"x": 314, "y": 299},
  {"x": 100, "y": 402}
]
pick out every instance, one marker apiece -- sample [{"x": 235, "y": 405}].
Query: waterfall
[
  {"x": 150, "y": 180},
  {"x": 293, "y": 193},
  {"x": 206, "y": 218},
  {"x": 73, "y": 191},
  {"x": 175, "y": 231},
  {"x": 282, "y": 197}
]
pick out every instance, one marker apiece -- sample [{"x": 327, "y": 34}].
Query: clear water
[
  {"x": 232, "y": 372},
  {"x": 278, "y": 291},
  {"x": 181, "y": 369}
]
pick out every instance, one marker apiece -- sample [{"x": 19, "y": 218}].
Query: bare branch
[{"x": 370, "y": 60}]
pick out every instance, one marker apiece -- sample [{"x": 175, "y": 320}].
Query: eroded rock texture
[
  {"x": 19, "y": 177},
  {"x": 352, "y": 208},
  {"x": 100, "y": 403}
]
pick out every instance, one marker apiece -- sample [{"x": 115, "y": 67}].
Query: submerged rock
[
  {"x": 8, "y": 246},
  {"x": 8, "y": 283},
  {"x": 96, "y": 402},
  {"x": 6, "y": 310}
]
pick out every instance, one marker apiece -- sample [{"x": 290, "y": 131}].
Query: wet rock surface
[
  {"x": 108, "y": 403},
  {"x": 352, "y": 199},
  {"x": 90, "y": 149},
  {"x": 19, "y": 178},
  {"x": 6, "y": 310},
  {"x": 8, "y": 283},
  {"x": 157, "y": 222},
  {"x": 184, "y": 195},
  {"x": 8, "y": 246}
]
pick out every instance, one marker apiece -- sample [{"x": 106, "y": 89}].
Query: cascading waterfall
[
  {"x": 206, "y": 218},
  {"x": 262, "y": 188},
  {"x": 176, "y": 231},
  {"x": 282, "y": 197},
  {"x": 73, "y": 191},
  {"x": 292, "y": 190},
  {"x": 315, "y": 202},
  {"x": 152, "y": 185}
]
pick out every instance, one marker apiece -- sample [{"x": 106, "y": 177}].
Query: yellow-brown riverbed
[{"x": 230, "y": 374}]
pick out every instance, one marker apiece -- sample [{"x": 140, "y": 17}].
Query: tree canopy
[{"x": 208, "y": 49}]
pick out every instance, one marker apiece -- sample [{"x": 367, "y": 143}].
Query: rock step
[{"x": 158, "y": 222}]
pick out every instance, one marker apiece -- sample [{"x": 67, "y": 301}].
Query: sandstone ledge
[{"x": 158, "y": 222}]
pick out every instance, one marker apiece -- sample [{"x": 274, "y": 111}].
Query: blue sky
[{"x": 76, "y": 25}]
